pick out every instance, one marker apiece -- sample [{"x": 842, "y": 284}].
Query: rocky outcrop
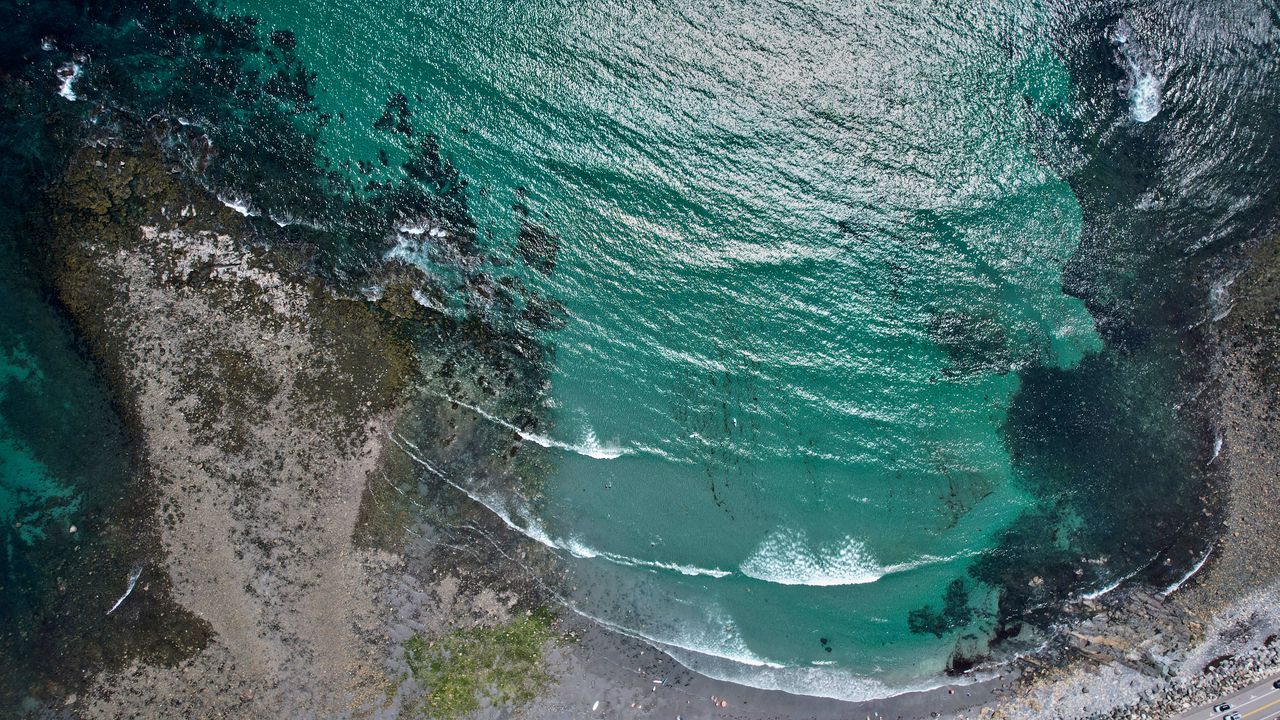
[
  {"x": 1148, "y": 655},
  {"x": 263, "y": 402},
  {"x": 1143, "y": 632}
]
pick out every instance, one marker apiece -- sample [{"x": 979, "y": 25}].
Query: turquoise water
[
  {"x": 801, "y": 279},
  {"x": 881, "y": 319}
]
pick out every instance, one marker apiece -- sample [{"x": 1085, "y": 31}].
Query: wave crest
[
  {"x": 786, "y": 557},
  {"x": 1144, "y": 86},
  {"x": 523, "y": 522}
]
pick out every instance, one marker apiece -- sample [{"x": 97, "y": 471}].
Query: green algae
[{"x": 499, "y": 665}]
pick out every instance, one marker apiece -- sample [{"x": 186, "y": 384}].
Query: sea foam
[
  {"x": 134, "y": 573},
  {"x": 516, "y": 515},
  {"x": 811, "y": 679},
  {"x": 787, "y": 557},
  {"x": 713, "y": 645},
  {"x": 1190, "y": 574},
  {"x": 714, "y": 637},
  {"x": 1145, "y": 87},
  {"x": 240, "y": 205},
  {"x": 68, "y": 74},
  {"x": 589, "y": 447}
]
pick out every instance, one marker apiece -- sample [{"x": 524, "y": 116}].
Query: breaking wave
[
  {"x": 134, "y": 573},
  {"x": 589, "y": 447},
  {"x": 815, "y": 680},
  {"x": 240, "y": 205},
  {"x": 1144, "y": 86},
  {"x": 1177, "y": 585},
  {"x": 724, "y": 644},
  {"x": 786, "y": 557},
  {"x": 691, "y": 570},
  {"x": 68, "y": 74},
  {"x": 522, "y": 521}
]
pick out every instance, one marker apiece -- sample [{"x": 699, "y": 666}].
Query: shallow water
[
  {"x": 820, "y": 363},
  {"x": 881, "y": 319}
]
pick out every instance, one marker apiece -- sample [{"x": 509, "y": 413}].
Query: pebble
[{"x": 1222, "y": 679}]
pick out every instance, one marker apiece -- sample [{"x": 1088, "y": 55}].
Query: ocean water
[
  {"x": 882, "y": 319},
  {"x": 846, "y": 366}
]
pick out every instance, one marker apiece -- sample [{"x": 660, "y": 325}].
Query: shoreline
[
  {"x": 1205, "y": 609},
  {"x": 398, "y": 556},
  {"x": 177, "y": 246},
  {"x": 1224, "y": 611}
]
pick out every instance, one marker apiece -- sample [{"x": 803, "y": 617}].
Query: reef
[{"x": 1143, "y": 653}]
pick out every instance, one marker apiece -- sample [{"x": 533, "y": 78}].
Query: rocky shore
[
  {"x": 312, "y": 554},
  {"x": 264, "y": 402},
  {"x": 1144, "y": 654},
  {"x": 261, "y": 403},
  {"x": 303, "y": 549}
]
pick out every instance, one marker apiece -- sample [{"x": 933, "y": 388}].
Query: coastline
[
  {"x": 1220, "y": 623},
  {"x": 258, "y": 428},
  {"x": 424, "y": 559},
  {"x": 1133, "y": 651},
  {"x": 296, "y": 540},
  {"x": 332, "y": 527}
]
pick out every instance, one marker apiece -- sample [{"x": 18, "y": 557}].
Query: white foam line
[
  {"x": 663, "y": 646},
  {"x": 881, "y": 692},
  {"x": 656, "y": 452},
  {"x": 416, "y": 230},
  {"x": 241, "y": 206},
  {"x": 537, "y": 534},
  {"x": 749, "y": 660},
  {"x": 134, "y": 574},
  {"x": 870, "y": 576},
  {"x": 1103, "y": 591},
  {"x": 1217, "y": 448},
  {"x": 590, "y": 450},
  {"x": 499, "y": 511},
  {"x": 786, "y": 557},
  {"x": 287, "y": 220},
  {"x": 676, "y": 567},
  {"x": 636, "y": 635},
  {"x": 533, "y": 531},
  {"x": 426, "y": 302},
  {"x": 925, "y": 560},
  {"x": 1191, "y": 573}
]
